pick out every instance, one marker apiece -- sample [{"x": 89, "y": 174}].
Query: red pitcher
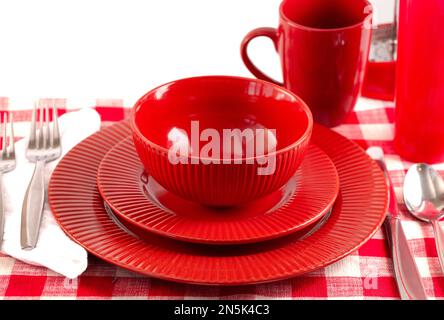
[{"x": 419, "y": 134}]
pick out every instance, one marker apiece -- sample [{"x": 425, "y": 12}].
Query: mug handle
[{"x": 259, "y": 32}]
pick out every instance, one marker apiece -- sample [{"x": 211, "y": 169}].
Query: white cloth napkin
[{"x": 54, "y": 249}]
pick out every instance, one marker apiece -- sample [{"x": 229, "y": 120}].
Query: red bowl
[{"x": 221, "y": 140}]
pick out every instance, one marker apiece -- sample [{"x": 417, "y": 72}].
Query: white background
[{"x": 121, "y": 49}]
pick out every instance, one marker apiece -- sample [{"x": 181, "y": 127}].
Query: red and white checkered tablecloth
[{"x": 365, "y": 274}]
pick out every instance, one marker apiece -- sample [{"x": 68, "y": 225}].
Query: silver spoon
[{"x": 424, "y": 198}]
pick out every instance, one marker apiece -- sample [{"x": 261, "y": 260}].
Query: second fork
[{"x": 43, "y": 146}]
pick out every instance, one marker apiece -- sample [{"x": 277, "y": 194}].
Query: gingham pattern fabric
[{"x": 365, "y": 274}]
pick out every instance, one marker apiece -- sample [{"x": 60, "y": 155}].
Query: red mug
[{"x": 323, "y": 47}]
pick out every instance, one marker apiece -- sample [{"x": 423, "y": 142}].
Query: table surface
[
  {"x": 108, "y": 48},
  {"x": 365, "y": 274}
]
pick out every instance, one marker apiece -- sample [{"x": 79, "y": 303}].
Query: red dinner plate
[
  {"x": 79, "y": 209},
  {"x": 140, "y": 200}
]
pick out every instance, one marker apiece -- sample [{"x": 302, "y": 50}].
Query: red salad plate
[
  {"x": 79, "y": 209},
  {"x": 140, "y": 200}
]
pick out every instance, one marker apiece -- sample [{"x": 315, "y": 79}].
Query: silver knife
[{"x": 407, "y": 276}]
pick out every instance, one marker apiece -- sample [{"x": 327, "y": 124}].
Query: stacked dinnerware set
[{"x": 161, "y": 194}]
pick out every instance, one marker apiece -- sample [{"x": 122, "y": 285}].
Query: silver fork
[
  {"x": 43, "y": 146},
  {"x": 7, "y": 163}
]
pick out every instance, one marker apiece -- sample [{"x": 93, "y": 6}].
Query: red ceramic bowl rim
[
  {"x": 367, "y": 18},
  {"x": 306, "y": 135}
]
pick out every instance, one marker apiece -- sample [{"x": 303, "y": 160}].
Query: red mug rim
[
  {"x": 294, "y": 24},
  {"x": 302, "y": 104}
]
